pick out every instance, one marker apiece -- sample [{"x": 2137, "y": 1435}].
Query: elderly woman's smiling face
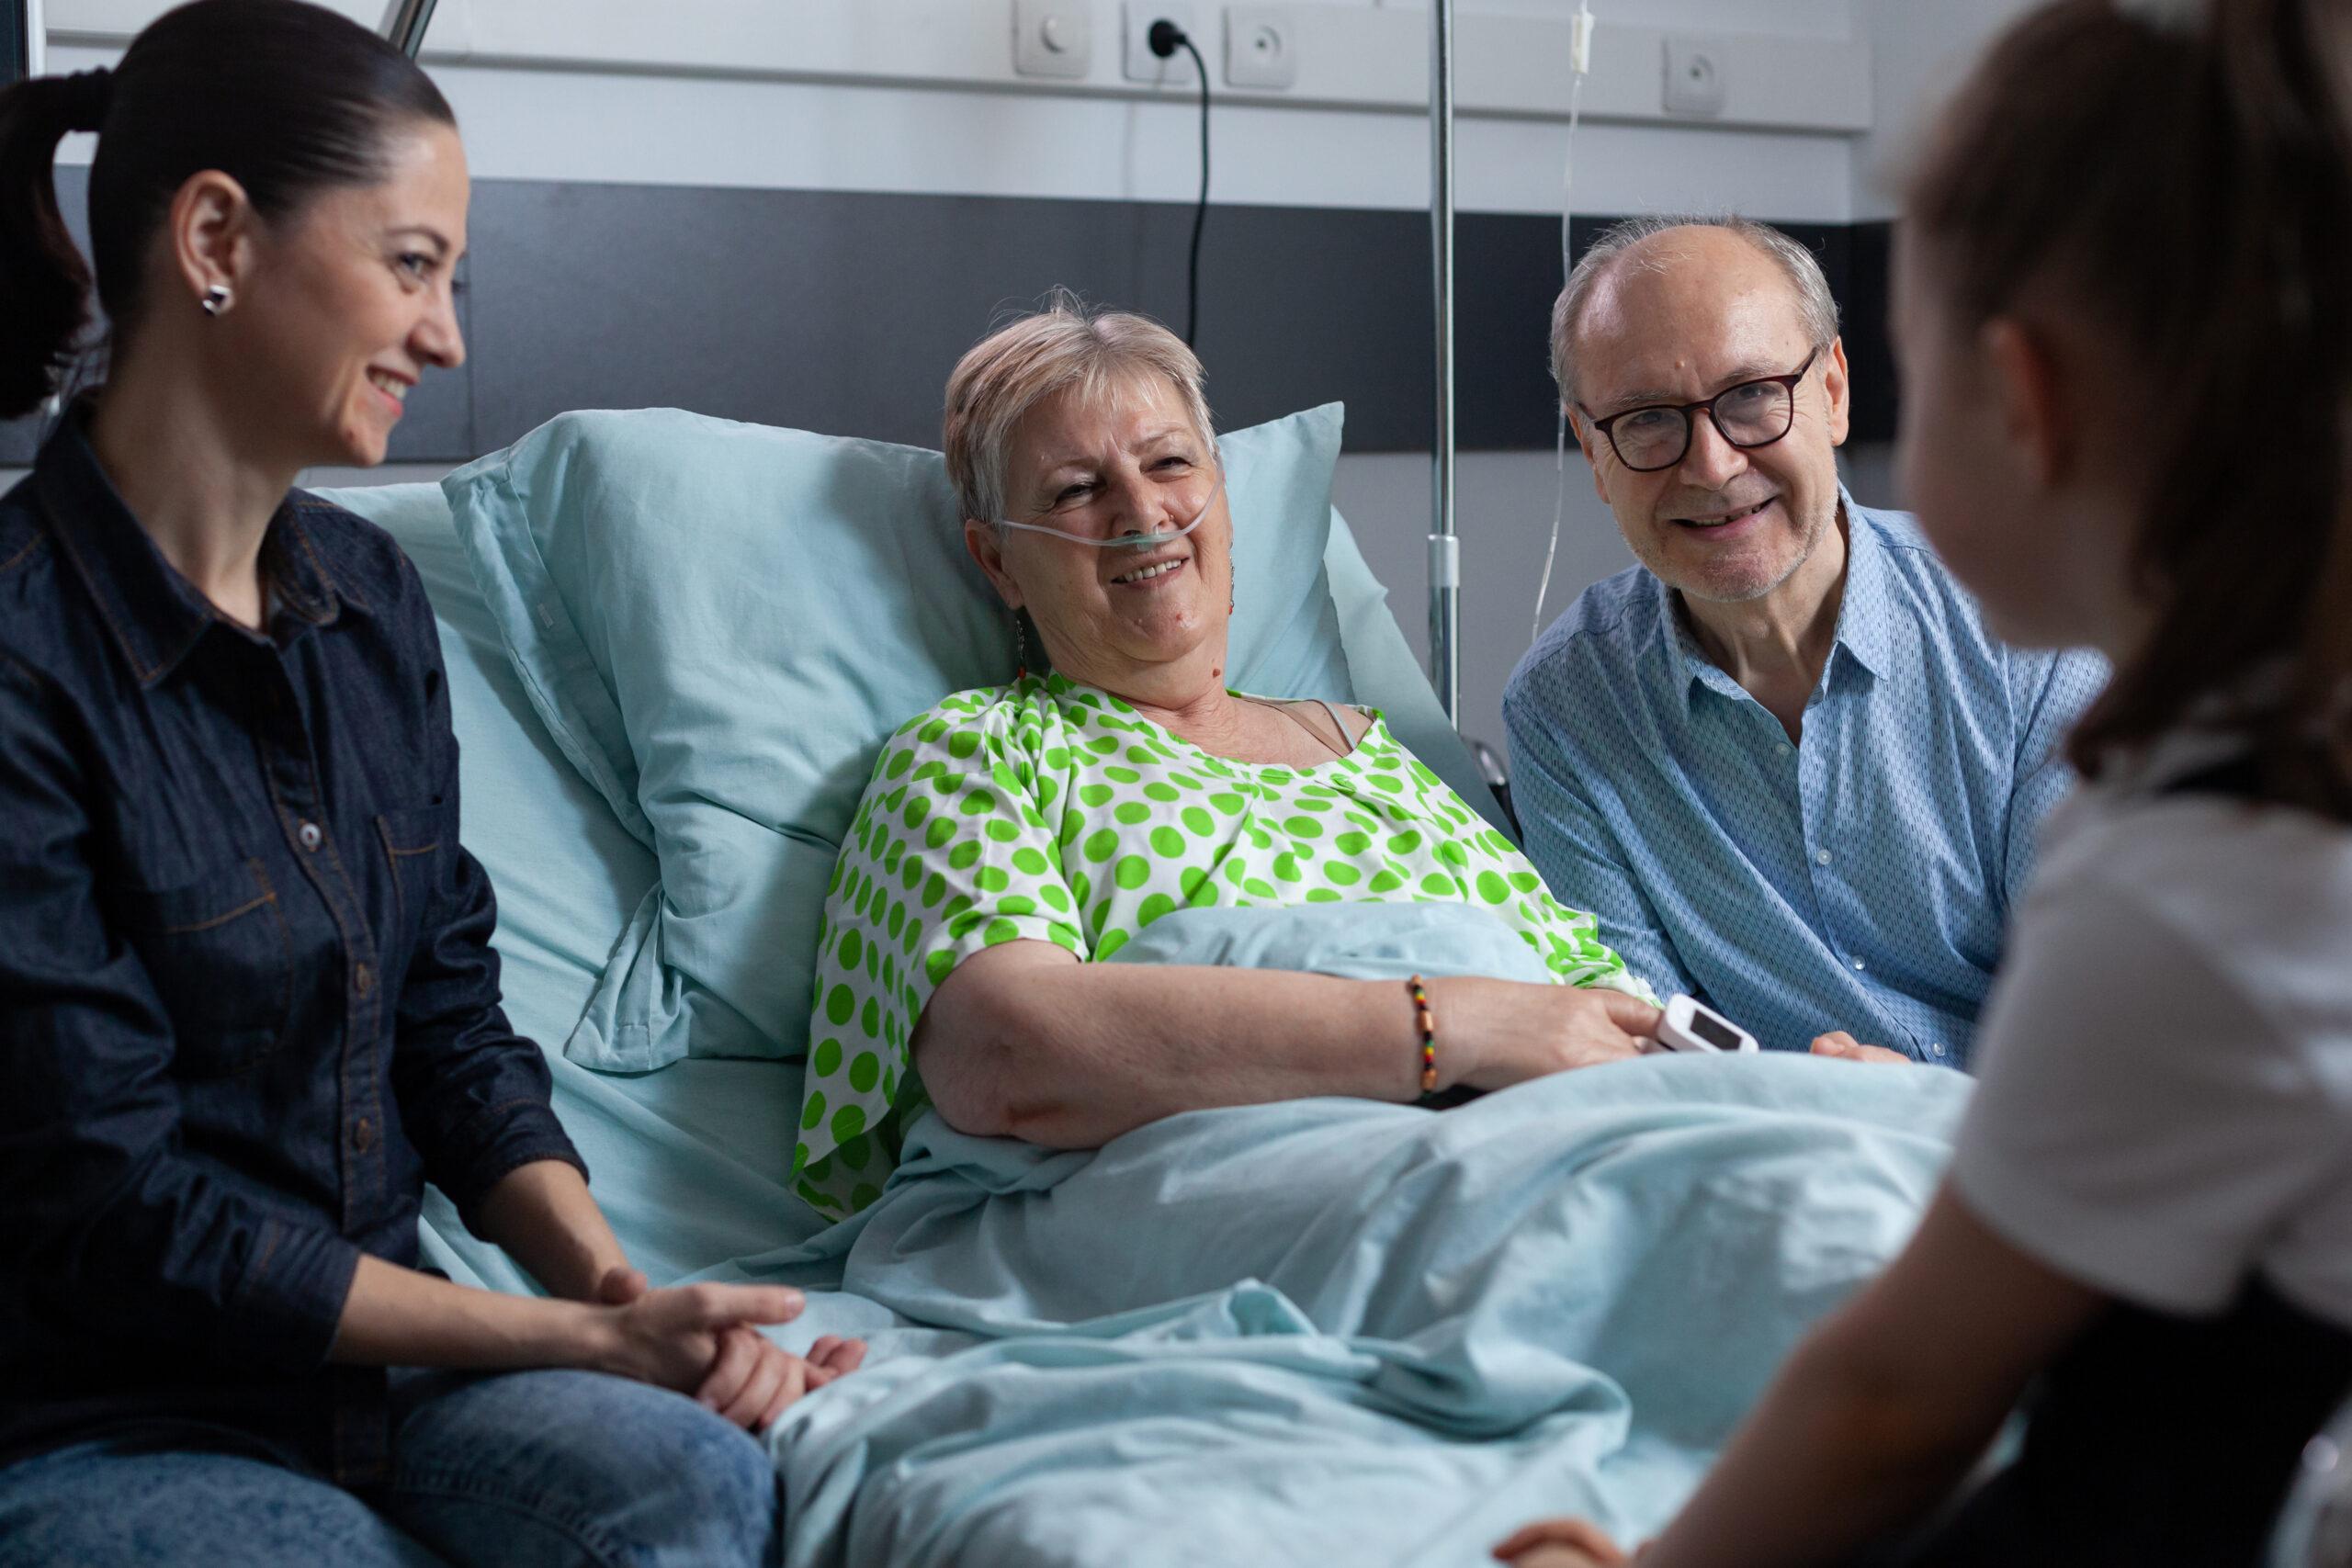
[{"x": 1130, "y": 462}]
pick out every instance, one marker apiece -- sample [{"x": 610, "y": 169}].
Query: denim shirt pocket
[
  {"x": 221, "y": 958},
  {"x": 416, "y": 844}
]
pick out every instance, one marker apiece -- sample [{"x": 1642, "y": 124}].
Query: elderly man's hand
[
  {"x": 1561, "y": 1543},
  {"x": 1837, "y": 1042}
]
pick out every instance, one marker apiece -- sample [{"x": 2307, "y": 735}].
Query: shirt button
[
  {"x": 1821, "y": 857},
  {"x": 362, "y": 979},
  {"x": 1784, "y": 749},
  {"x": 1857, "y": 963},
  {"x": 1937, "y": 1049},
  {"x": 363, "y": 1135},
  {"x": 309, "y": 835}
]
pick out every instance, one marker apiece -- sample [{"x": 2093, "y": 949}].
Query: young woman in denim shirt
[{"x": 251, "y": 1006}]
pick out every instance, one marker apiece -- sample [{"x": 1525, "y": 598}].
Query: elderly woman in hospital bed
[{"x": 1013, "y": 836}]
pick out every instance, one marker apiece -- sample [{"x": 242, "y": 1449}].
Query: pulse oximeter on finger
[{"x": 1690, "y": 1025}]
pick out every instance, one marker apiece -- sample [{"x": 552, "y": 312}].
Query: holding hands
[{"x": 703, "y": 1340}]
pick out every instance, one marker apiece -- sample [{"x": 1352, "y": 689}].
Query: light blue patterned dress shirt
[{"x": 1859, "y": 880}]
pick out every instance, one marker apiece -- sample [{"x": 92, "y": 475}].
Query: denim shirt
[{"x": 248, "y": 1003}]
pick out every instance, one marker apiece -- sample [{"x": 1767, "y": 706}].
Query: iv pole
[
  {"x": 404, "y": 23},
  {"x": 1445, "y": 554}
]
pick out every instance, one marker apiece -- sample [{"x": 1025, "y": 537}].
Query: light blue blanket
[{"x": 1331, "y": 1331}]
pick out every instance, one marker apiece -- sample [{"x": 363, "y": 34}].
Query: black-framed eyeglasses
[{"x": 1754, "y": 414}]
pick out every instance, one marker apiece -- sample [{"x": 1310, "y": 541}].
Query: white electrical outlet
[
  {"x": 1694, "y": 75},
  {"x": 1260, "y": 46},
  {"x": 1142, "y": 65},
  {"x": 1052, "y": 38}
]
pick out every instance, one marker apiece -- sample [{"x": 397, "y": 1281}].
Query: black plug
[{"x": 1165, "y": 38}]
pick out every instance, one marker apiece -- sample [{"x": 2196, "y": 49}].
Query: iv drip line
[{"x": 1581, "y": 59}]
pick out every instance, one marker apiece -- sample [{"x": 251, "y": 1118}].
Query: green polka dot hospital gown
[{"x": 1048, "y": 811}]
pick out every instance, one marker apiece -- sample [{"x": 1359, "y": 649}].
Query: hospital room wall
[{"x": 585, "y": 129}]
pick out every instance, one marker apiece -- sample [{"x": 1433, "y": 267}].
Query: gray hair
[
  {"x": 1815, "y": 301},
  {"x": 1066, "y": 345}
]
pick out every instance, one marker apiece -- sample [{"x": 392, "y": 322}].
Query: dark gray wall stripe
[{"x": 843, "y": 311}]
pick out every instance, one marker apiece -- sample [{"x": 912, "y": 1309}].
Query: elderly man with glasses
[{"x": 1782, "y": 760}]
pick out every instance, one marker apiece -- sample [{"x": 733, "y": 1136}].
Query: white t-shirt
[{"x": 2165, "y": 1061}]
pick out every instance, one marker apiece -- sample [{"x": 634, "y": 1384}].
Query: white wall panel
[
  {"x": 1919, "y": 51},
  {"x": 854, "y": 95},
  {"x": 1512, "y": 61}
]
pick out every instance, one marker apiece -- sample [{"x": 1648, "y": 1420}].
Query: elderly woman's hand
[{"x": 1500, "y": 1032}]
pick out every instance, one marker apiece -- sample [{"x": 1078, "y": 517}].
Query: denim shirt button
[
  {"x": 363, "y": 1135},
  {"x": 362, "y": 979},
  {"x": 309, "y": 835}
]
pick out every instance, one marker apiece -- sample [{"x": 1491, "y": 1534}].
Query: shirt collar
[
  {"x": 1865, "y": 616},
  {"x": 155, "y": 614},
  {"x": 1867, "y": 627}
]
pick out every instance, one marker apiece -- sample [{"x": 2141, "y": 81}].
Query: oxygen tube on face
[{"x": 1133, "y": 539}]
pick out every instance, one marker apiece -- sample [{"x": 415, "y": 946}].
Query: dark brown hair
[
  {"x": 288, "y": 99},
  {"x": 2181, "y": 177}
]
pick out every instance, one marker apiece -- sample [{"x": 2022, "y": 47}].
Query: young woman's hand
[
  {"x": 1507, "y": 1032},
  {"x": 671, "y": 1337},
  {"x": 751, "y": 1380},
  {"x": 1561, "y": 1543}
]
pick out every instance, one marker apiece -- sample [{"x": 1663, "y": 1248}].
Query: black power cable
[{"x": 1165, "y": 38}]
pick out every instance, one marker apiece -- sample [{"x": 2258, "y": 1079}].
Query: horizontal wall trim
[
  {"x": 1355, "y": 57},
  {"x": 843, "y": 311}
]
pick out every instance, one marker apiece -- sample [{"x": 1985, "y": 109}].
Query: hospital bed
[{"x": 1321, "y": 1332}]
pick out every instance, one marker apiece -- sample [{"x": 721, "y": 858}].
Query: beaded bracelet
[{"x": 1426, "y": 1023}]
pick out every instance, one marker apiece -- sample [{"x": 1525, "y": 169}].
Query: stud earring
[{"x": 216, "y": 300}]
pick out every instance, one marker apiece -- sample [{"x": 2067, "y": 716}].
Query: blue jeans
[{"x": 519, "y": 1471}]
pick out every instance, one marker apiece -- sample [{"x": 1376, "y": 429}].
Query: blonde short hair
[{"x": 1068, "y": 345}]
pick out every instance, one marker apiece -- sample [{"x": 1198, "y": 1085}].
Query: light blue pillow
[
  {"x": 721, "y": 623},
  {"x": 565, "y": 873}
]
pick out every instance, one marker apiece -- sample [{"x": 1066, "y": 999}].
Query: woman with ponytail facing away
[
  {"x": 248, "y": 1004},
  {"x": 2126, "y": 331}
]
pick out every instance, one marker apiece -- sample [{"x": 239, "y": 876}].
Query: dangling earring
[
  {"x": 1019, "y": 648},
  {"x": 215, "y": 300}
]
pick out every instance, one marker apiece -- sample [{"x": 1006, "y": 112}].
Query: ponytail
[
  {"x": 2180, "y": 177},
  {"x": 285, "y": 97},
  {"x": 43, "y": 280}
]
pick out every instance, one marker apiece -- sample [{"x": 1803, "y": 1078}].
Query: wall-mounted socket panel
[
  {"x": 1052, "y": 38},
  {"x": 1142, "y": 65},
  {"x": 1694, "y": 75},
  {"x": 1260, "y": 47},
  {"x": 1357, "y": 58}
]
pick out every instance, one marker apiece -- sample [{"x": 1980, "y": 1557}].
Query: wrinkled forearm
[{"x": 1071, "y": 1056}]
